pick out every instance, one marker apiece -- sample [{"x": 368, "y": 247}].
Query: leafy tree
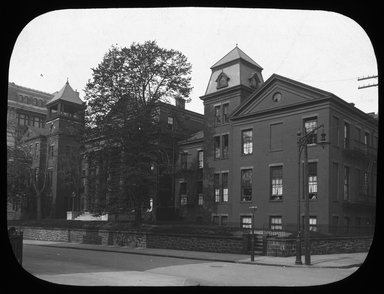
[{"x": 121, "y": 119}]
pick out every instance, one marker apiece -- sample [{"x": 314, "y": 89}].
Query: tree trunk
[{"x": 38, "y": 205}]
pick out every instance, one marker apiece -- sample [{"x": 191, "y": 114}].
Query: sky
[{"x": 320, "y": 48}]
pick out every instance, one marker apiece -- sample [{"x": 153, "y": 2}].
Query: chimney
[{"x": 180, "y": 103}]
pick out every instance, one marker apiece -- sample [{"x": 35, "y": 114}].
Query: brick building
[
  {"x": 55, "y": 150},
  {"x": 176, "y": 123},
  {"x": 247, "y": 153},
  {"x": 26, "y": 108}
]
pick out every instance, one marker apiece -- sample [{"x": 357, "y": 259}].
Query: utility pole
[{"x": 367, "y": 78}]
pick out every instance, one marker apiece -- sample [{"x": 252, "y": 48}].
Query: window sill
[
  {"x": 245, "y": 155},
  {"x": 276, "y": 200},
  {"x": 277, "y": 150}
]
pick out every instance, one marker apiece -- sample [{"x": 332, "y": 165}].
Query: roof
[
  {"x": 235, "y": 54},
  {"x": 194, "y": 137},
  {"x": 34, "y": 132},
  {"x": 67, "y": 94},
  {"x": 31, "y": 91}
]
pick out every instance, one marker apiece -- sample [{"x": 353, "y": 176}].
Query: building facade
[
  {"x": 250, "y": 150},
  {"x": 55, "y": 151},
  {"x": 26, "y": 107}
]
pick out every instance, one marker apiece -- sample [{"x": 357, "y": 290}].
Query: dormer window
[
  {"x": 222, "y": 80},
  {"x": 254, "y": 81}
]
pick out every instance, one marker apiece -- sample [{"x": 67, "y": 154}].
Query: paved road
[{"x": 84, "y": 267}]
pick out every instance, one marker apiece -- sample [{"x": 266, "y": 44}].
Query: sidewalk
[{"x": 345, "y": 260}]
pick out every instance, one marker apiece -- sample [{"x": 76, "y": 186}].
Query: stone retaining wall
[
  {"x": 208, "y": 243},
  {"x": 222, "y": 244},
  {"x": 287, "y": 247}
]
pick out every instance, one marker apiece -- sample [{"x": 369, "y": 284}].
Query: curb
[
  {"x": 301, "y": 266},
  {"x": 111, "y": 249},
  {"x": 137, "y": 253}
]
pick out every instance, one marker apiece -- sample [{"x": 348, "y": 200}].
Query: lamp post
[
  {"x": 302, "y": 142},
  {"x": 253, "y": 209}
]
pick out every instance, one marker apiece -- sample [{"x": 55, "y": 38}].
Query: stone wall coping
[
  {"x": 136, "y": 232},
  {"x": 322, "y": 238}
]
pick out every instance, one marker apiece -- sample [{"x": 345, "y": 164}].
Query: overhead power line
[{"x": 367, "y": 78}]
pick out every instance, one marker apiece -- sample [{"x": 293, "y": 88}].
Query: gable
[{"x": 276, "y": 93}]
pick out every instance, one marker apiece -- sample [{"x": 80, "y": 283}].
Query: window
[
  {"x": 183, "y": 188},
  {"x": 366, "y": 139},
  {"x": 183, "y": 200},
  {"x": 217, "y": 115},
  {"x": 222, "y": 81},
  {"x": 276, "y": 183},
  {"x": 170, "y": 123},
  {"x": 346, "y": 183},
  {"x": 246, "y": 142},
  {"x": 51, "y": 150},
  {"x": 276, "y": 97},
  {"x": 312, "y": 180},
  {"x": 201, "y": 199},
  {"x": 246, "y": 185},
  {"x": 313, "y": 223},
  {"x": 199, "y": 191},
  {"x": 22, "y": 119},
  {"x": 224, "y": 220},
  {"x": 336, "y": 126},
  {"x": 224, "y": 183},
  {"x": 310, "y": 125},
  {"x": 335, "y": 181},
  {"x": 346, "y": 136},
  {"x": 275, "y": 223},
  {"x": 225, "y": 113},
  {"x": 184, "y": 160},
  {"x": 30, "y": 148},
  {"x": 183, "y": 193},
  {"x": 216, "y": 143},
  {"x": 200, "y": 156},
  {"x": 225, "y": 146},
  {"x": 216, "y": 187},
  {"x": 366, "y": 142},
  {"x": 246, "y": 222},
  {"x": 215, "y": 219}
]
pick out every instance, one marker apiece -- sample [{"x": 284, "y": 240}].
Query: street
[{"x": 99, "y": 268}]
